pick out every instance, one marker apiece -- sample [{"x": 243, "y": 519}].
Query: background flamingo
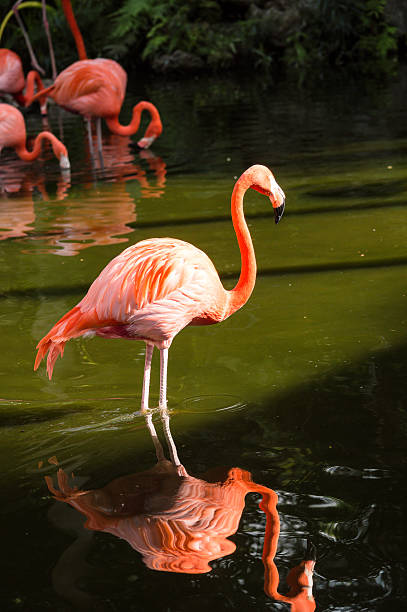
[
  {"x": 156, "y": 287},
  {"x": 12, "y": 79},
  {"x": 13, "y": 82},
  {"x": 96, "y": 88},
  {"x": 13, "y": 134}
]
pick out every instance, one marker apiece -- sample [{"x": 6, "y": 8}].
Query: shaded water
[{"x": 303, "y": 388}]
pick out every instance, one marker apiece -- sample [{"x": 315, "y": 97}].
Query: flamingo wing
[
  {"x": 147, "y": 273},
  {"x": 91, "y": 88}
]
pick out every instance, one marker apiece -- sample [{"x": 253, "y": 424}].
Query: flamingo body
[
  {"x": 157, "y": 287},
  {"x": 96, "y": 88},
  {"x": 13, "y": 134},
  {"x": 92, "y": 88},
  {"x": 12, "y": 79},
  {"x": 149, "y": 292}
]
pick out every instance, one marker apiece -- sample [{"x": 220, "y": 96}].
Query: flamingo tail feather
[{"x": 74, "y": 323}]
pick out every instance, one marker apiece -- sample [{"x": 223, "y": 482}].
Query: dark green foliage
[
  {"x": 343, "y": 32},
  {"x": 301, "y": 35}
]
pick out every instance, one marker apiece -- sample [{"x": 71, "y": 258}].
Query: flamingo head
[
  {"x": 262, "y": 180},
  {"x": 154, "y": 129},
  {"x": 64, "y": 162},
  {"x": 61, "y": 153}
]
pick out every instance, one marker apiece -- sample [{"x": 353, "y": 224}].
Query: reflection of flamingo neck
[
  {"x": 58, "y": 148},
  {"x": 300, "y": 594},
  {"x": 154, "y": 128},
  {"x": 271, "y": 577},
  {"x": 70, "y": 17}
]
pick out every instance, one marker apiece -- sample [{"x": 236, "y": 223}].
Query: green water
[{"x": 304, "y": 387}]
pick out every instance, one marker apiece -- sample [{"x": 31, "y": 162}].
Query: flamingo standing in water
[
  {"x": 96, "y": 88},
  {"x": 13, "y": 134},
  {"x": 13, "y": 82},
  {"x": 157, "y": 287}
]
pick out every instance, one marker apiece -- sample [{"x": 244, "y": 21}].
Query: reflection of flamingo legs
[
  {"x": 165, "y": 417},
  {"x": 157, "y": 444}
]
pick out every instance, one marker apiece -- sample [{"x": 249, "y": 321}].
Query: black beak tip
[{"x": 278, "y": 212}]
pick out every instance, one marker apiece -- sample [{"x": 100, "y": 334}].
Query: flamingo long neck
[
  {"x": 70, "y": 17},
  {"x": 127, "y": 130},
  {"x": 33, "y": 78},
  {"x": 241, "y": 293},
  {"x": 57, "y": 147}
]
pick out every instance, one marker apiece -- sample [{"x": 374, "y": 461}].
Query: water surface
[{"x": 304, "y": 388}]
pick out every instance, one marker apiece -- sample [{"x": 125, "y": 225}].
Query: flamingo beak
[
  {"x": 277, "y": 198},
  {"x": 146, "y": 142},
  {"x": 278, "y": 212}
]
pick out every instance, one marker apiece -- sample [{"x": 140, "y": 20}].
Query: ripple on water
[
  {"x": 205, "y": 404},
  {"x": 345, "y": 471}
]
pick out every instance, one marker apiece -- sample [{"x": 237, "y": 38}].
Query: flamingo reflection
[
  {"x": 17, "y": 206},
  {"x": 179, "y": 523},
  {"x": 104, "y": 218},
  {"x": 106, "y": 215}
]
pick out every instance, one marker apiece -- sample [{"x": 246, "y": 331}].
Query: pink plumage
[
  {"x": 13, "y": 134},
  {"x": 155, "y": 288},
  {"x": 13, "y": 82},
  {"x": 96, "y": 88}
]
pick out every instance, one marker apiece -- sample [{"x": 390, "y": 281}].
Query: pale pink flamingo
[
  {"x": 156, "y": 287},
  {"x": 13, "y": 82},
  {"x": 13, "y": 134},
  {"x": 96, "y": 88}
]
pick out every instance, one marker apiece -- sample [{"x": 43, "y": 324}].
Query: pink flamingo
[
  {"x": 157, "y": 287},
  {"x": 13, "y": 82},
  {"x": 96, "y": 88},
  {"x": 13, "y": 134},
  {"x": 12, "y": 79}
]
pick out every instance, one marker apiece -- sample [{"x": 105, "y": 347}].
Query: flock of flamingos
[{"x": 150, "y": 292}]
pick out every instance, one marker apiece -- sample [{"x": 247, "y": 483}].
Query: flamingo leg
[
  {"x": 146, "y": 379},
  {"x": 163, "y": 378},
  {"x": 99, "y": 141},
  {"x": 165, "y": 417},
  {"x": 99, "y": 134},
  {"x": 89, "y": 130}
]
